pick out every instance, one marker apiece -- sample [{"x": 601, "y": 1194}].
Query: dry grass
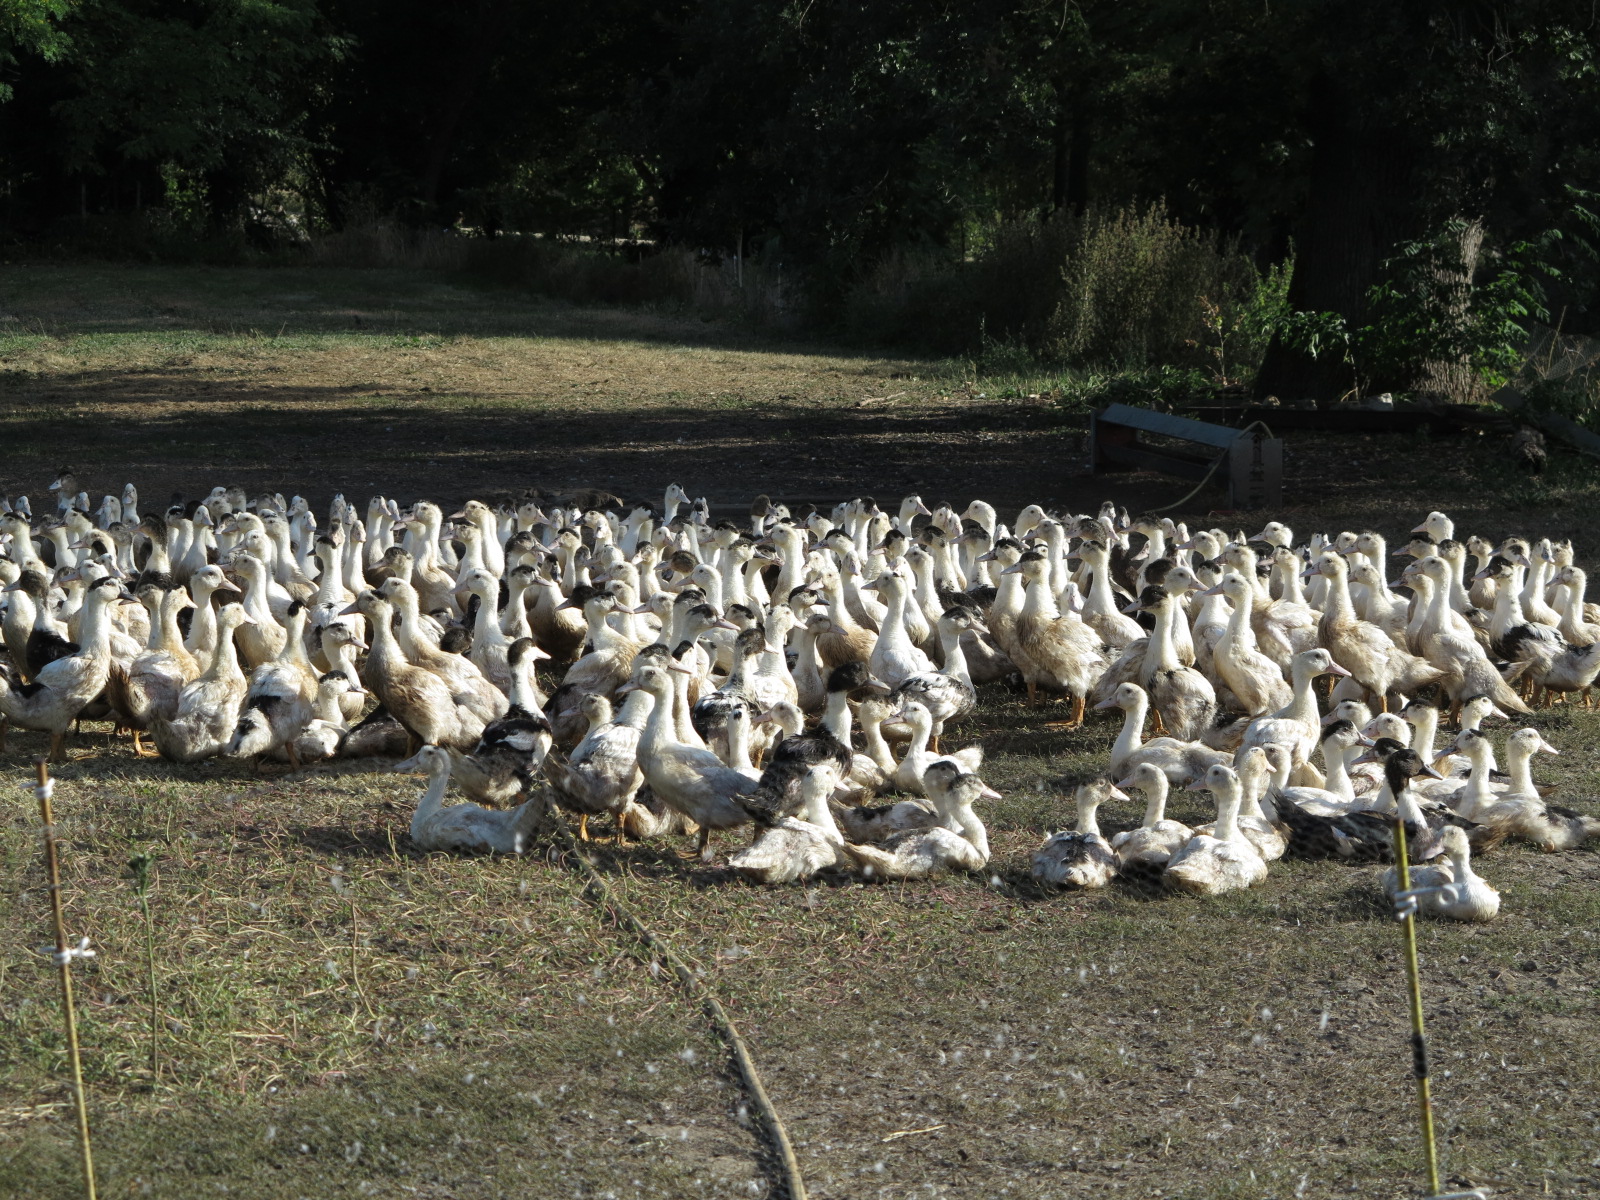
[{"x": 340, "y": 1015}]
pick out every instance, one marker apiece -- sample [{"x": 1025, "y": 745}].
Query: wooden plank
[{"x": 1169, "y": 425}]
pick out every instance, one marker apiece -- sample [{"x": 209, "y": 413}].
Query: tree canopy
[{"x": 824, "y": 135}]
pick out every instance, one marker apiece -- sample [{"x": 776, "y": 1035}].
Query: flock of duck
[{"x": 692, "y": 653}]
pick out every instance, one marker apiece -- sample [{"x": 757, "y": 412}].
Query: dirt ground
[{"x": 339, "y": 1015}]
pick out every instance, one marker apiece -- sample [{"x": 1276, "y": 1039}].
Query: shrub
[{"x": 1128, "y": 288}]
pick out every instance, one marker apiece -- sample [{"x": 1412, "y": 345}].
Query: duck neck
[
  {"x": 819, "y": 813},
  {"x": 1338, "y": 605},
  {"x": 636, "y": 709},
  {"x": 1508, "y": 604},
  {"x": 525, "y": 687},
  {"x": 1338, "y": 777},
  {"x": 739, "y": 745},
  {"x": 1291, "y": 591},
  {"x": 432, "y": 799},
  {"x": 1303, "y": 706},
  {"x": 1226, "y": 828},
  {"x": 660, "y": 727},
  {"x": 1427, "y": 729},
  {"x": 1101, "y": 602},
  {"x": 1131, "y": 736},
  {"x": 687, "y": 734},
  {"x": 95, "y": 632},
  {"x": 968, "y": 824},
  {"x": 836, "y": 716},
  {"x": 1155, "y": 804},
  {"x": 1162, "y": 652},
  {"x": 332, "y": 586},
  {"x": 877, "y": 748},
  {"x": 1519, "y": 766},
  {"x": 1088, "y": 818},
  {"x": 1239, "y": 632},
  {"x": 225, "y": 662},
  {"x": 1039, "y": 602},
  {"x": 1405, "y": 804},
  {"x": 955, "y": 658}
]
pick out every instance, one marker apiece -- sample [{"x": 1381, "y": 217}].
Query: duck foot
[{"x": 140, "y": 750}]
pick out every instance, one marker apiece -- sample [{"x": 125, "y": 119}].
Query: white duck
[
  {"x": 688, "y": 778},
  {"x": 908, "y": 775},
  {"x": 1157, "y": 838},
  {"x": 1524, "y": 813},
  {"x": 1222, "y": 861},
  {"x": 1179, "y": 761},
  {"x": 959, "y": 843},
  {"x": 61, "y": 689},
  {"x": 1081, "y": 858},
  {"x": 602, "y": 773},
  {"x": 1450, "y": 888},
  {"x": 796, "y": 848},
  {"x": 466, "y": 828}
]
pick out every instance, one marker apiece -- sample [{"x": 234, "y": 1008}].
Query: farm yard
[{"x": 339, "y": 1013}]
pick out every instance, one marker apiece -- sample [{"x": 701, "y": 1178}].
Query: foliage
[
  {"x": 1435, "y": 303},
  {"x": 1126, "y": 289},
  {"x": 923, "y": 174},
  {"x": 31, "y": 27}
]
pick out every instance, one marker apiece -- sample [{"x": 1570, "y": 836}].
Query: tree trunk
[
  {"x": 1362, "y": 200},
  {"x": 1457, "y": 381}
]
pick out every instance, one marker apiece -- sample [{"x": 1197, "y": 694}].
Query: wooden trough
[{"x": 1250, "y": 461}]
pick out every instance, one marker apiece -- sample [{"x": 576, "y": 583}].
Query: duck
[
  {"x": 1100, "y": 611},
  {"x": 465, "y": 828},
  {"x": 208, "y": 706},
  {"x": 688, "y": 778},
  {"x": 778, "y": 794},
  {"x": 738, "y": 691},
  {"x": 1338, "y": 795},
  {"x": 421, "y": 701},
  {"x": 1364, "y": 835},
  {"x": 1080, "y": 858},
  {"x": 602, "y": 774},
  {"x": 51, "y": 702},
  {"x": 917, "y": 758},
  {"x": 1184, "y": 701},
  {"x": 958, "y": 842},
  {"x": 468, "y": 686},
  {"x": 201, "y": 640},
  {"x": 1158, "y": 837},
  {"x": 1223, "y": 860},
  {"x": 152, "y": 682},
  {"x": 33, "y": 635},
  {"x": 323, "y": 736},
  {"x": 796, "y": 847},
  {"x": 277, "y": 701},
  {"x": 1523, "y": 813},
  {"x": 1256, "y": 681},
  {"x": 1056, "y": 650},
  {"x": 512, "y": 748},
  {"x": 1255, "y": 764},
  {"x": 1365, "y": 650},
  {"x": 947, "y": 693},
  {"x": 895, "y": 656},
  {"x": 1180, "y": 761},
  {"x": 1450, "y": 645},
  {"x": 1297, "y": 726},
  {"x": 1450, "y": 888}
]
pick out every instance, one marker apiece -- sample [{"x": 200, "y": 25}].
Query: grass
[{"x": 343, "y": 1016}]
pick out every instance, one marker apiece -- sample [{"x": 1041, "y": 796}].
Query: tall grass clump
[
  {"x": 630, "y": 275},
  {"x": 1116, "y": 289}
]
